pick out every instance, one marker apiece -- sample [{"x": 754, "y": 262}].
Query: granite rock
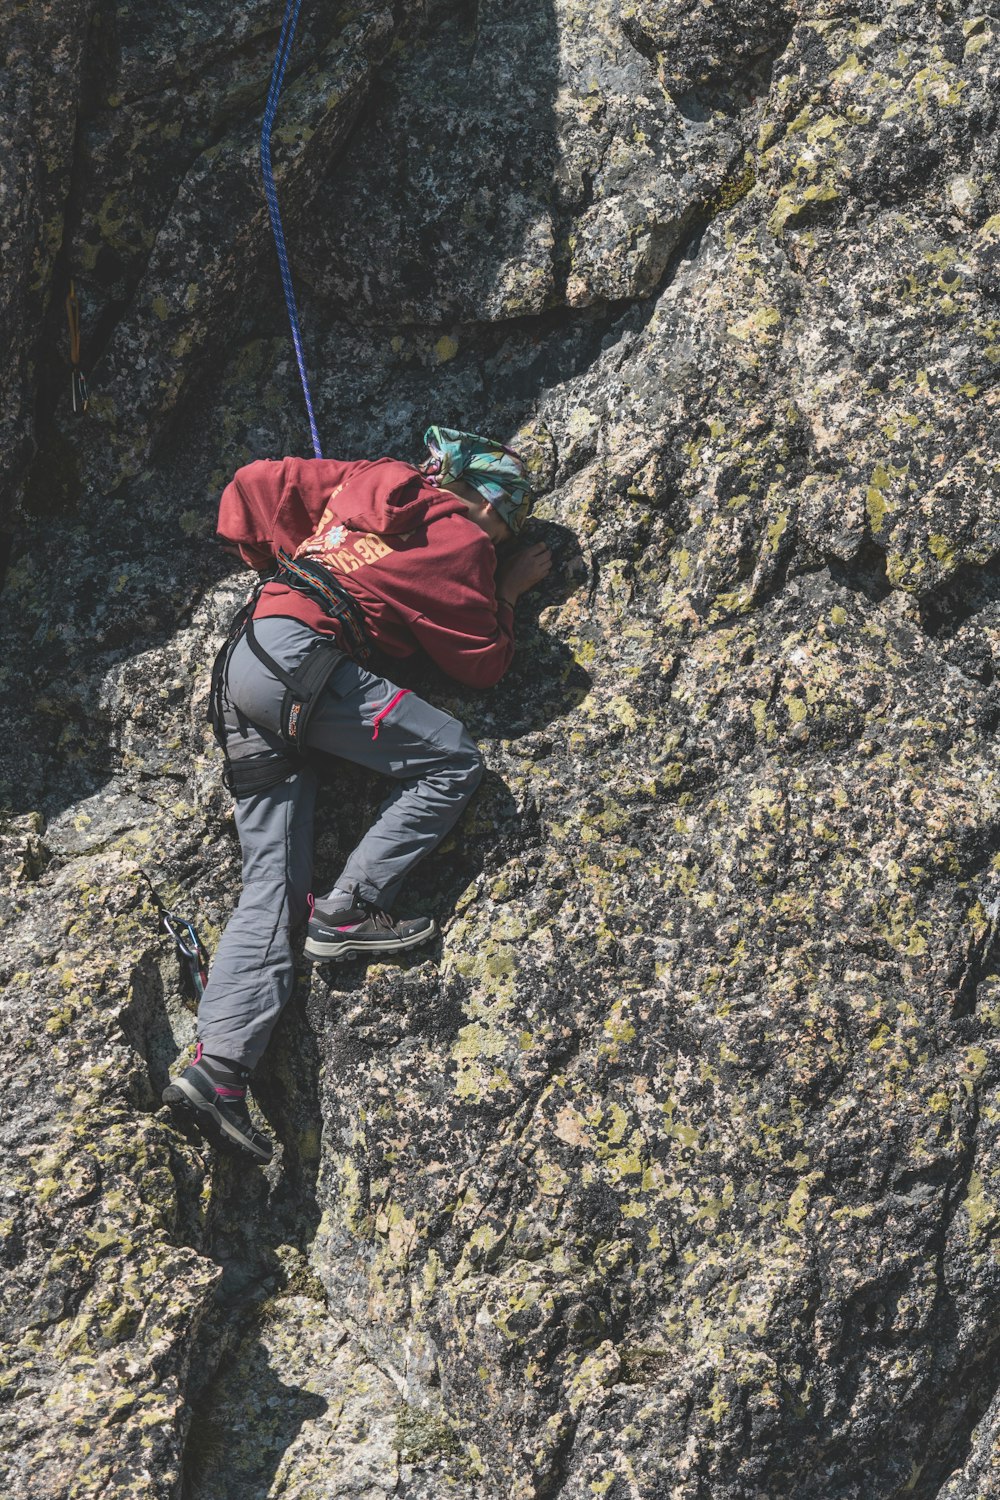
[{"x": 673, "y": 1168}]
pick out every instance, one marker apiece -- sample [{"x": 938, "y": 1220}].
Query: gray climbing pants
[{"x": 361, "y": 718}]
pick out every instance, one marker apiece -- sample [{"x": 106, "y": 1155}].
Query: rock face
[{"x": 674, "y": 1169}]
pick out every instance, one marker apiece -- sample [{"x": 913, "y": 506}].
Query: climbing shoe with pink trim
[
  {"x": 363, "y": 928},
  {"x": 217, "y": 1110}
]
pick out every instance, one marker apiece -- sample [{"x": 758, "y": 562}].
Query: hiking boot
[
  {"x": 218, "y": 1111},
  {"x": 362, "y": 928}
]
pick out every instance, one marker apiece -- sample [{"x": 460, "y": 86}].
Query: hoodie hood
[
  {"x": 389, "y": 498},
  {"x": 283, "y": 503}
]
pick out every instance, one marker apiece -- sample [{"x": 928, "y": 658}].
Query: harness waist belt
[{"x": 325, "y": 588}]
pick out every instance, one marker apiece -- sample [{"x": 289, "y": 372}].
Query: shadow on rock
[
  {"x": 155, "y": 1027},
  {"x": 243, "y": 1426},
  {"x": 258, "y": 1228}
]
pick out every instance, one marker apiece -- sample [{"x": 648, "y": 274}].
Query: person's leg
[
  {"x": 370, "y": 721},
  {"x": 252, "y": 973}
]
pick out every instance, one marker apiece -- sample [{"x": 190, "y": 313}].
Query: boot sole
[
  {"x": 193, "y": 1109},
  {"x": 345, "y": 947}
]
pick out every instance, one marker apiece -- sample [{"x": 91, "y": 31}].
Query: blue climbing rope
[{"x": 282, "y": 55}]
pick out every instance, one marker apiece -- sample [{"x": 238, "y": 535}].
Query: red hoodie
[{"x": 421, "y": 570}]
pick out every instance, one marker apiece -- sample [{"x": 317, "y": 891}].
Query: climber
[{"x": 382, "y": 554}]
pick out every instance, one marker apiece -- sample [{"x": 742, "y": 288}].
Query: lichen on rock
[{"x": 674, "y": 1167}]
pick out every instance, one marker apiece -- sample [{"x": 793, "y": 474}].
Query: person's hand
[{"x": 519, "y": 573}]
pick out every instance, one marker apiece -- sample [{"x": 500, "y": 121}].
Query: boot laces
[{"x": 380, "y": 917}]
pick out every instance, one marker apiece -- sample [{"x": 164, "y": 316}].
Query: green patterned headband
[{"x": 496, "y": 472}]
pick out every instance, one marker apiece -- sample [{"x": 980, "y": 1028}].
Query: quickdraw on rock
[
  {"x": 191, "y": 951},
  {"x": 78, "y": 382}
]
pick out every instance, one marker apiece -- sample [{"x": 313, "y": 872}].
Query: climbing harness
[
  {"x": 302, "y": 687},
  {"x": 191, "y": 951},
  {"x": 320, "y": 584},
  {"x": 78, "y": 383},
  {"x": 244, "y": 776},
  {"x": 281, "y": 57},
  {"x": 247, "y": 775}
]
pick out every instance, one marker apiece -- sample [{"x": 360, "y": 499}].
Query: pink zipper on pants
[{"x": 383, "y": 711}]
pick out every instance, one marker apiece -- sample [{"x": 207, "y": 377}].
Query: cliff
[{"x": 674, "y": 1168}]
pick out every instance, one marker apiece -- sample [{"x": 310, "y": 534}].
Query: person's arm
[
  {"x": 521, "y": 571},
  {"x": 473, "y": 639},
  {"x": 476, "y": 649}
]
